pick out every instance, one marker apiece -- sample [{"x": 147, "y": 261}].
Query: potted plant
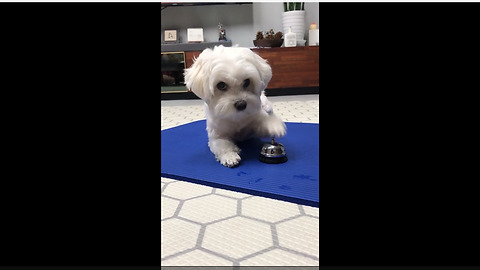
[
  {"x": 270, "y": 39},
  {"x": 294, "y": 16},
  {"x": 291, "y": 6}
]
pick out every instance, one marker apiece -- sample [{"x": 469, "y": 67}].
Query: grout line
[
  {"x": 276, "y": 242},
  {"x": 300, "y": 208},
  {"x": 299, "y": 253},
  {"x": 239, "y": 207},
  {"x": 201, "y": 234}
]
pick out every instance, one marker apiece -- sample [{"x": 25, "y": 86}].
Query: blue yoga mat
[{"x": 185, "y": 156}]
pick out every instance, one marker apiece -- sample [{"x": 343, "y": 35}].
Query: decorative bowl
[{"x": 268, "y": 42}]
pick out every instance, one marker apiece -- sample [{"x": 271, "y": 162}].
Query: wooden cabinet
[
  {"x": 189, "y": 58},
  {"x": 292, "y": 67}
]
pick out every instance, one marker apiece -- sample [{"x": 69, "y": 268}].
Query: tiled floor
[{"x": 204, "y": 226}]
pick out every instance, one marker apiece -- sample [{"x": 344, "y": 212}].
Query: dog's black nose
[{"x": 240, "y": 105}]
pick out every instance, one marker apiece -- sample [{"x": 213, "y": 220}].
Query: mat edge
[{"x": 244, "y": 190}]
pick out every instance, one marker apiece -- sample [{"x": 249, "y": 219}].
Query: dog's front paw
[
  {"x": 229, "y": 159},
  {"x": 277, "y": 128}
]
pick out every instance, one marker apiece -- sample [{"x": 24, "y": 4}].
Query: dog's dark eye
[
  {"x": 222, "y": 86},
  {"x": 246, "y": 83}
]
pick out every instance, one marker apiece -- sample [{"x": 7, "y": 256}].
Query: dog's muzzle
[{"x": 240, "y": 105}]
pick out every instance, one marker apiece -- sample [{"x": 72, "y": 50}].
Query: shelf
[
  {"x": 188, "y": 47},
  {"x": 173, "y": 89},
  {"x": 190, "y": 4}
]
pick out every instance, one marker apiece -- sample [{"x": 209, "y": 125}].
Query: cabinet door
[
  {"x": 292, "y": 67},
  {"x": 189, "y": 57}
]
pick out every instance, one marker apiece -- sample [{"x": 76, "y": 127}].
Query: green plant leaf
[{"x": 290, "y": 6}]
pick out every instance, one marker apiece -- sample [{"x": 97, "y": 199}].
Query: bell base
[{"x": 271, "y": 160}]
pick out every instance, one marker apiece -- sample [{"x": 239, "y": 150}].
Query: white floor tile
[
  {"x": 300, "y": 234},
  {"x": 197, "y": 258},
  {"x": 184, "y": 190},
  {"x": 209, "y": 209},
  {"x": 279, "y": 257},
  {"x": 178, "y": 235},
  {"x": 268, "y": 209},
  {"x": 237, "y": 237}
]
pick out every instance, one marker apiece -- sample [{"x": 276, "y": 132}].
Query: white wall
[
  {"x": 312, "y": 16},
  {"x": 268, "y": 16},
  {"x": 242, "y": 22}
]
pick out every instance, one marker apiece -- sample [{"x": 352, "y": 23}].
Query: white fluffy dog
[{"x": 231, "y": 80}]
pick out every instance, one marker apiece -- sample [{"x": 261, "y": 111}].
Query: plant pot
[{"x": 296, "y": 20}]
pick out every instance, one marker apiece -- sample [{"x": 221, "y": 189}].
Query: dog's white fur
[{"x": 226, "y": 122}]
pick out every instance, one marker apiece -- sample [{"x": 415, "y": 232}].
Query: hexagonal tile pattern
[
  {"x": 238, "y": 229},
  {"x": 237, "y": 237},
  {"x": 279, "y": 257},
  {"x": 167, "y": 180},
  {"x": 169, "y": 206},
  {"x": 300, "y": 234},
  {"x": 210, "y": 208},
  {"x": 178, "y": 235},
  {"x": 197, "y": 258},
  {"x": 268, "y": 209},
  {"x": 232, "y": 194},
  {"x": 311, "y": 211},
  {"x": 181, "y": 113},
  {"x": 184, "y": 190}
]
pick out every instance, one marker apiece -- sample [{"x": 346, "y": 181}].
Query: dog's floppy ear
[
  {"x": 196, "y": 77},
  {"x": 264, "y": 70}
]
